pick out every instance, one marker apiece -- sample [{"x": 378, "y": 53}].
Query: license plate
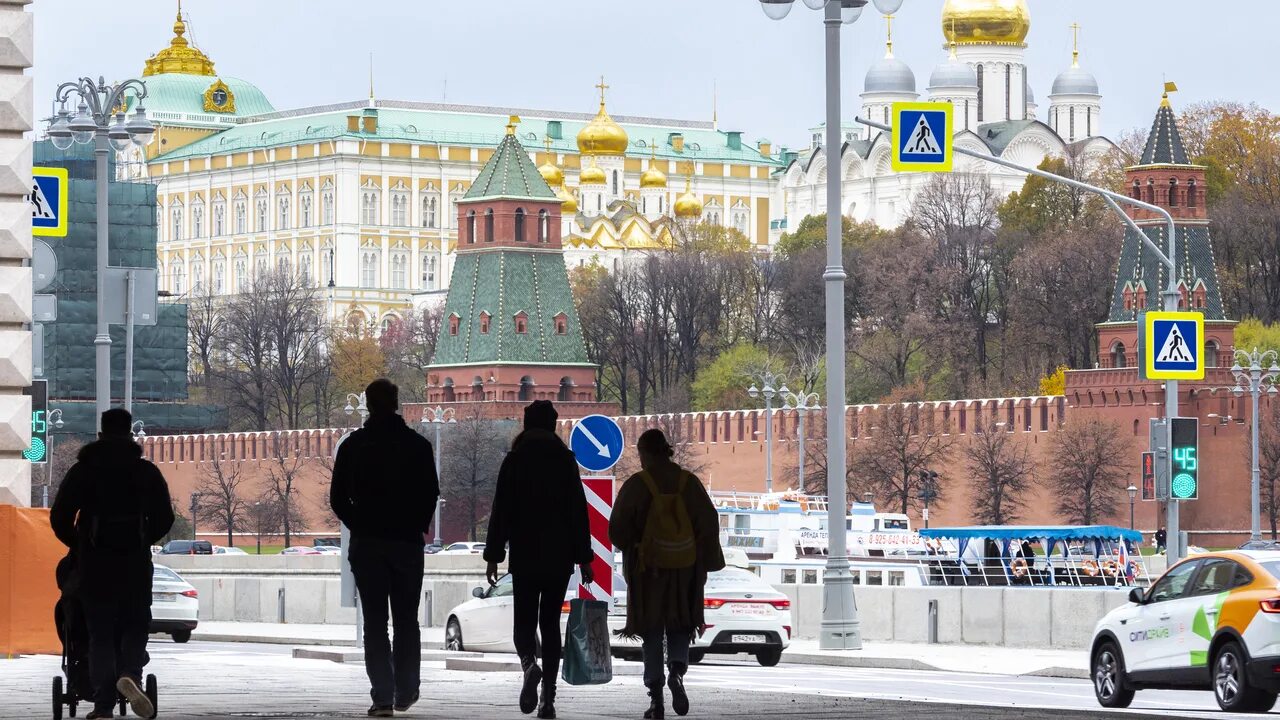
[
  {"x": 746, "y": 639},
  {"x": 164, "y": 597},
  {"x": 750, "y": 609}
]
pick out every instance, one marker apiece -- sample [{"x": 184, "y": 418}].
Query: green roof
[
  {"x": 510, "y": 174},
  {"x": 182, "y": 94},
  {"x": 505, "y": 283},
  {"x": 467, "y": 126},
  {"x": 1164, "y": 143}
]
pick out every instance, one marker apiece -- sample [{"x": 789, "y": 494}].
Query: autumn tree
[
  {"x": 474, "y": 448},
  {"x": 408, "y": 345},
  {"x": 901, "y": 444},
  {"x": 1269, "y": 463},
  {"x": 356, "y": 358},
  {"x": 285, "y": 466},
  {"x": 1000, "y": 468},
  {"x": 894, "y": 323},
  {"x": 723, "y": 383},
  {"x": 1086, "y": 470},
  {"x": 222, "y": 500}
]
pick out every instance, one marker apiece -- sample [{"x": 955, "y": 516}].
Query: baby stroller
[{"x": 74, "y": 634}]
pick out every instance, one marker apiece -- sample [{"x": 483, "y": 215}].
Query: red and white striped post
[{"x": 599, "y": 491}]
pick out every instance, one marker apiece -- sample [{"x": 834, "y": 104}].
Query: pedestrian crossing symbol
[
  {"x": 48, "y": 200},
  {"x": 1174, "y": 345},
  {"x": 922, "y": 135}
]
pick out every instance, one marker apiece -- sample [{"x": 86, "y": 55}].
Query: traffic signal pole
[{"x": 1170, "y": 295}]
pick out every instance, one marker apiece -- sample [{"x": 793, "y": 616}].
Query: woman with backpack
[{"x": 669, "y": 533}]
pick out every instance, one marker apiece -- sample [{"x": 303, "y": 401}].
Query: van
[{"x": 188, "y": 547}]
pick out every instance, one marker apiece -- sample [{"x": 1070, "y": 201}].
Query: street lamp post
[
  {"x": 138, "y": 429},
  {"x": 438, "y": 416},
  {"x": 55, "y": 419},
  {"x": 98, "y": 103},
  {"x": 360, "y": 406},
  {"x": 257, "y": 517},
  {"x": 928, "y": 491},
  {"x": 802, "y": 403},
  {"x": 769, "y": 392},
  {"x": 1133, "y": 495},
  {"x": 1251, "y": 378},
  {"x": 195, "y": 497},
  {"x": 840, "y": 629}
]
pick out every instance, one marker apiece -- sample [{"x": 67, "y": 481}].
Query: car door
[
  {"x": 491, "y": 624},
  {"x": 1148, "y": 634},
  {"x": 1216, "y": 579}
]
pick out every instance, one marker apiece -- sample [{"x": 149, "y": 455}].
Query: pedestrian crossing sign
[
  {"x": 1174, "y": 345},
  {"x": 48, "y": 200},
  {"x": 922, "y": 134}
]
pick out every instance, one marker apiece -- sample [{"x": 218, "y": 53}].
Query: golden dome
[
  {"x": 179, "y": 57},
  {"x": 986, "y": 22},
  {"x": 688, "y": 205},
  {"x": 602, "y": 136},
  {"x": 592, "y": 175},
  {"x": 568, "y": 201},
  {"x": 552, "y": 174},
  {"x": 653, "y": 178}
]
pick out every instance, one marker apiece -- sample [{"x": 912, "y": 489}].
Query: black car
[{"x": 187, "y": 547}]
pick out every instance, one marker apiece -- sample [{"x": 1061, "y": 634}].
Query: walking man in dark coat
[
  {"x": 385, "y": 490},
  {"x": 540, "y": 513},
  {"x": 112, "y": 507}
]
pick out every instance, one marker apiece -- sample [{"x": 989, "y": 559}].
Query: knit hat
[{"x": 540, "y": 415}]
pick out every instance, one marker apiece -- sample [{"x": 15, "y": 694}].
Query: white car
[
  {"x": 175, "y": 605},
  {"x": 223, "y": 550},
  {"x": 328, "y": 550},
  {"x": 463, "y": 548},
  {"x": 300, "y": 550},
  {"x": 743, "y": 615},
  {"x": 1212, "y": 622}
]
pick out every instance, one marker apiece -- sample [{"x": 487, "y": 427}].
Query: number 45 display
[{"x": 1185, "y": 458}]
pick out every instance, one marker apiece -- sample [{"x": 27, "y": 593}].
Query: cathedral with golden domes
[{"x": 984, "y": 75}]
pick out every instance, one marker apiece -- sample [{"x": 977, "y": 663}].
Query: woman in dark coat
[{"x": 664, "y": 603}]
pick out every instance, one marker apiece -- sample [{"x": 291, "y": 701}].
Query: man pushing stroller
[{"x": 112, "y": 507}]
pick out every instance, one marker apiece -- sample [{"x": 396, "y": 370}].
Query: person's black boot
[
  {"x": 547, "y": 703},
  {"x": 529, "y": 691},
  {"x": 655, "y": 711},
  {"x": 675, "y": 681}
]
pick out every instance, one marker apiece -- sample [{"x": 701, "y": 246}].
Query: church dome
[
  {"x": 179, "y": 57},
  {"x": 592, "y": 175},
  {"x": 1075, "y": 81},
  {"x": 986, "y": 22},
  {"x": 602, "y": 136},
  {"x": 653, "y": 178},
  {"x": 953, "y": 74},
  {"x": 568, "y": 201},
  {"x": 688, "y": 205},
  {"x": 552, "y": 174},
  {"x": 891, "y": 75}
]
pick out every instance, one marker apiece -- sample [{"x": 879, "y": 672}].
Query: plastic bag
[{"x": 587, "y": 658}]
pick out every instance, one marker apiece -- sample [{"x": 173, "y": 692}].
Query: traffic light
[
  {"x": 39, "y": 451},
  {"x": 1184, "y": 453}
]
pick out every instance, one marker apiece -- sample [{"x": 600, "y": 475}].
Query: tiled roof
[
  {"x": 1164, "y": 144},
  {"x": 510, "y": 174},
  {"x": 1140, "y": 265},
  {"x": 466, "y": 126},
  {"x": 182, "y": 93},
  {"x": 504, "y": 283}
]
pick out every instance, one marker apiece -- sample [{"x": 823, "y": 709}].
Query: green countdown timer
[
  {"x": 38, "y": 452},
  {"x": 1185, "y": 454}
]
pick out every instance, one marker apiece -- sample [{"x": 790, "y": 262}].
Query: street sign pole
[
  {"x": 597, "y": 443},
  {"x": 128, "y": 341}
]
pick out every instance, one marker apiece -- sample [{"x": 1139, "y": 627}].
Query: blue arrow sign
[
  {"x": 597, "y": 442},
  {"x": 48, "y": 200}
]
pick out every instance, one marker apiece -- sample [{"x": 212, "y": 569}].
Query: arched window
[
  {"x": 454, "y": 323},
  {"x": 484, "y": 323},
  {"x": 369, "y": 261},
  {"x": 562, "y": 324},
  {"x": 1211, "y": 354},
  {"x": 471, "y": 226},
  {"x": 429, "y": 211},
  {"x": 399, "y": 205},
  {"x": 488, "y": 225},
  {"x": 477, "y": 388},
  {"x": 1173, "y": 192},
  {"x": 400, "y": 269},
  {"x": 197, "y": 219},
  {"x": 241, "y": 214},
  {"x": 219, "y": 277},
  {"x": 544, "y": 226},
  {"x": 1071, "y": 123},
  {"x": 615, "y": 182},
  {"x": 1137, "y": 190},
  {"x": 1151, "y": 191},
  {"x": 981, "y": 89},
  {"x": 1191, "y": 193},
  {"x": 1118, "y": 359},
  {"x": 449, "y": 395},
  {"x": 284, "y": 214},
  {"x": 326, "y": 263},
  {"x": 326, "y": 205},
  {"x": 304, "y": 203},
  {"x": 178, "y": 276},
  {"x": 219, "y": 217},
  {"x": 522, "y": 323},
  {"x": 197, "y": 275},
  {"x": 526, "y": 388},
  {"x": 177, "y": 222},
  {"x": 242, "y": 274},
  {"x": 519, "y": 224},
  {"x": 429, "y": 272},
  {"x": 566, "y": 387},
  {"x": 261, "y": 217}
]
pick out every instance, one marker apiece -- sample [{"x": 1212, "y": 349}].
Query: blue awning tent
[{"x": 1029, "y": 532}]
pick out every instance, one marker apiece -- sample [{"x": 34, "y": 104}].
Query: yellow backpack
[{"x": 667, "y": 542}]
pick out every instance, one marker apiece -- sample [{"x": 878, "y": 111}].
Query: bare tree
[
  {"x": 221, "y": 496},
  {"x": 1087, "y": 470},
  {"x": 901, "y": 445},
  {"x": 244, "y": 379},
  {"x": 204, "y": 330},
  {"x": 296, "y": 335},
  {"x": 476, "y": 447},
  {"x": 284, "y": 469},
  {"x": 1269, "y": 464},
  {"x": 1000, "y": 467},
  {"x": 61, "y": 458},
  {"x": 263, "y": 517}
]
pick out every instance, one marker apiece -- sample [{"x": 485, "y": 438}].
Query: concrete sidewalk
[{"x": 889, "y": 655}]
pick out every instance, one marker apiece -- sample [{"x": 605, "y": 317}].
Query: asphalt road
[{"x": 208, "y": 680}]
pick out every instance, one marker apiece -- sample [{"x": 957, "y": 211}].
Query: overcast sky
[{"x": 661, "y": 57}]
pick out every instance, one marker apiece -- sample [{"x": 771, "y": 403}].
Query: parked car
[
  {"x": 743, "y": 613},
  {"x": 327, "y": 542},
  {"x": 187, "y": 547},
  {"x": 464, "y": 548},
  {"x": 223, "y": 550},
  {"x": 327, "y": 550},
  {"x": 1211, "y": 622},
  {"x": 175, "y": 605},
  {"x": 300, "y": 550},
  {"x": 432, "y": 548}
]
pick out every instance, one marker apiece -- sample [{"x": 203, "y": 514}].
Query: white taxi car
[
  {"x": 175, "y": 604},
  {"x": 743, "y": 613},
  {"x": 1211, "y": 622}
]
